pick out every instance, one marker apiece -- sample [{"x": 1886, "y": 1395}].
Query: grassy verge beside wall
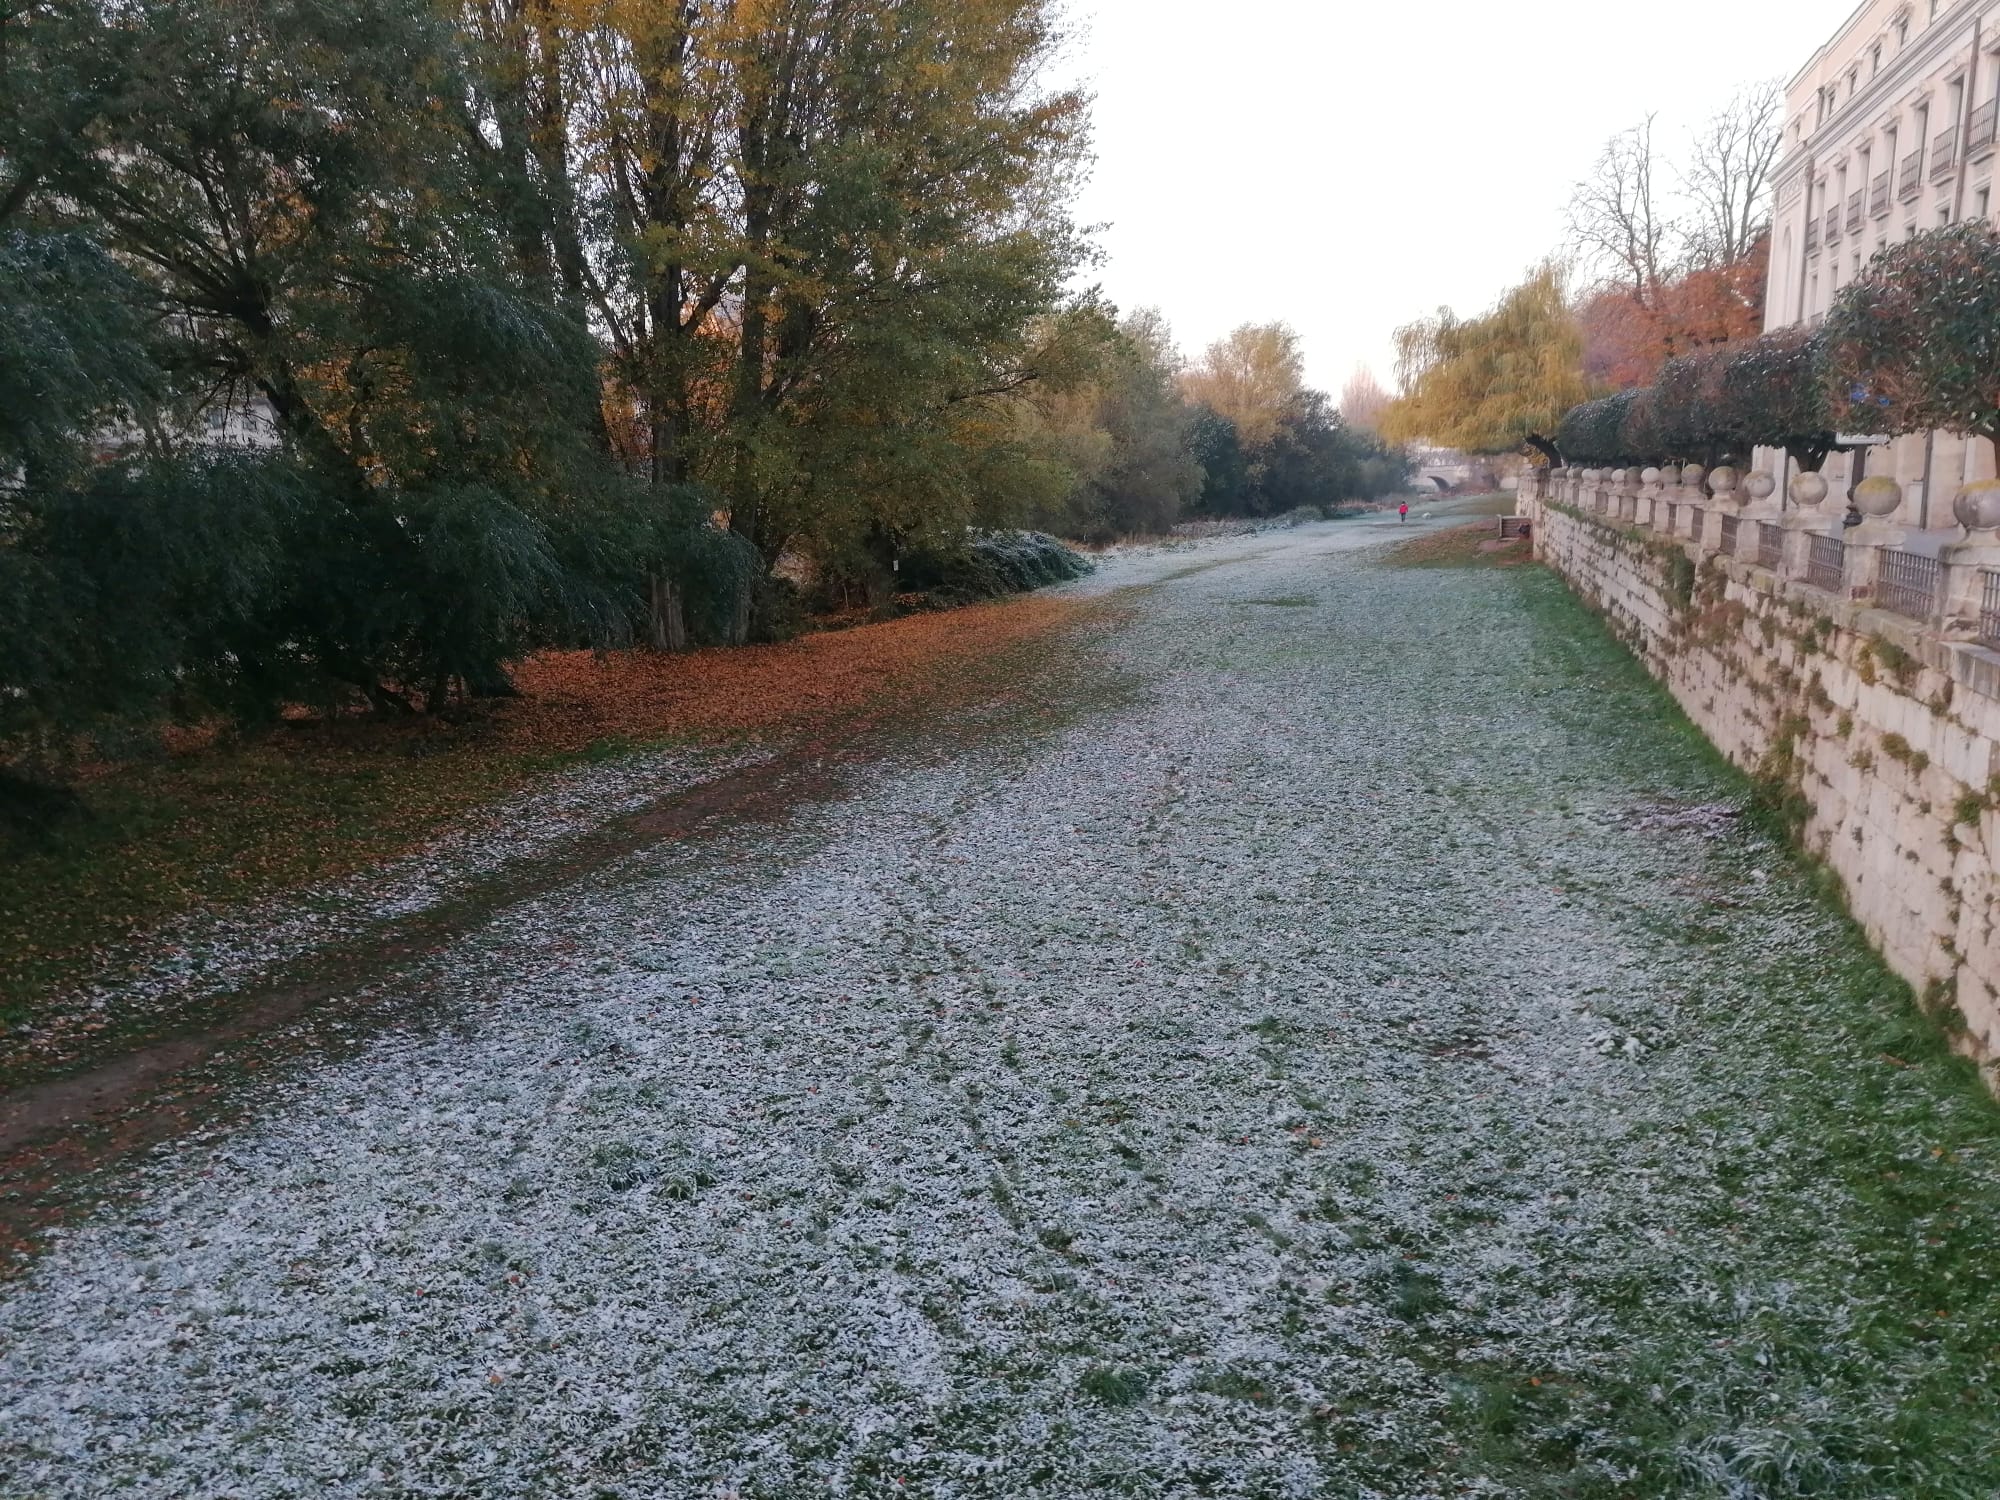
[{"x": 1865, "y": 734}]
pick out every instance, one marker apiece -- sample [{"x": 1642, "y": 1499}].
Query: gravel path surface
[{"x": 1363, "y": 1054}]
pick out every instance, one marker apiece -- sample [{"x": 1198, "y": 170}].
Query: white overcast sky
[{"x": 1347, "y": 165}]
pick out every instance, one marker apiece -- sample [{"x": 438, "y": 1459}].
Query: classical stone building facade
[{"x": 1891, "y": 128}]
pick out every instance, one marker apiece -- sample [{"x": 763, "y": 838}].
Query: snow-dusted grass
[
  {"x": 190, "y": 963},
  {"x": 1349, "y": 1070}
]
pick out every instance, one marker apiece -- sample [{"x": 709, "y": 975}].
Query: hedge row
[{"x": 1911, "y": 346}]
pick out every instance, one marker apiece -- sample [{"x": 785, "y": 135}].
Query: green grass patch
[
  {"x": 1476, "y": 545},
  {"x": 226, "y": 826}
]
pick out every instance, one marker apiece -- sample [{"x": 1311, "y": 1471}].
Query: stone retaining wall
[{"x": 1878, "y": 736}]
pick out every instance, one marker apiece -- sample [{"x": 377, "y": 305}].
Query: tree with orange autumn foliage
[{"x": 1627, "y": 338}]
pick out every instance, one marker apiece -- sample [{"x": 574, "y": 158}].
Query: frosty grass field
[{"x": 1359, "y": 1053}]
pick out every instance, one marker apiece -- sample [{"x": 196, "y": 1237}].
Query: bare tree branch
[
  {"x": 1728, "y": 178},
  {"x": 1618, "y": 223}
]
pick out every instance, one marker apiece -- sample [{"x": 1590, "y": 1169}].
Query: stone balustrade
[{"x": 1954, "y": 590}]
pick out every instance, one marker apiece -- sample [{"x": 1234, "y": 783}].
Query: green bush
[
  {"x": 1775, "y": 391},
  {"x": 1715, "y": 403},
  {"x": 990, "y": 565},
  {"x": 1639, "y": 436},
  {"x": 1914, "y": 344},
  {"x": 1594, "y": 433},
  {"x": 1695, "y": 422}
]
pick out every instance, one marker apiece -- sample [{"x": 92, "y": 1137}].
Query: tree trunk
[
  {"x": 666, "y": 616},
  {"x": 1544, "y": 447}
]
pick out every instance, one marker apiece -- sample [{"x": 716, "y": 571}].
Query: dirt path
[{"x": 1354, "y": 1049}]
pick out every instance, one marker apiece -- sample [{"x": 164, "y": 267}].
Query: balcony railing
[
  {"x": 1879, "y": 195},
  {"x": 1910, "y": 176},
  {"x": 1989, "y": 610},
  {"x": 1770, "y": 545},
  {"x": 1980, "y": 134},
  {"x": 1854, "y": 214},
  {"x": 1908, "y": 583},
  {"x": 1832, "y": 225},
  {"x": 1730, "y": 526},
  {"x": 1826, "y": 564},
  {"x": 1944, "y": 155}
]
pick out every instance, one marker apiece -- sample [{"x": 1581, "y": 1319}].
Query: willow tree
[{"x": 1493, "y": 383}]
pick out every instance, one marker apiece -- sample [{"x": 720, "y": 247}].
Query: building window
[
  {"x": 1902, "y": 31},
  {"x": 1875, "y": 60},
  {"x": 1944, "y": 213},
  {"x": 1981, "y": 202}
]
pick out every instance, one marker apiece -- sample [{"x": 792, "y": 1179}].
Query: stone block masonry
[{"x": 1878, "y": 736}]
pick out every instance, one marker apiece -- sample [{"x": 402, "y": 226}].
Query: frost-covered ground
[
  {"x": 1358, "y": 1063},
  {"x": 213, "y": 952}
]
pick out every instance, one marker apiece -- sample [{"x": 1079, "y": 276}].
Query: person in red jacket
[{"x": 1403, "y": 513}]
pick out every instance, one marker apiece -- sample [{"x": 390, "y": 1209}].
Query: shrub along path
[{"x": 1364, "y": 1053}]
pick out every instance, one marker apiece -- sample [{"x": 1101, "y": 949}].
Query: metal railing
[
  {"x": 1770, "y": 545},
  {"x": 1907, "y": 583},
  {"x": 1673, "y": 518},
  {"x": 1879, "y": 194},
  {"x": 1979, "y": 135},
  {"x": 1944, "y": 155},
  {"x": 1826, "y": 564},
  {"x": 1854, "y": 214},
  {"x": 1832, "y": 225},
  {"x": 1697, "y": 522},
  {"x": 1730, "y": 526},
  {"x": 1989, "y": 610},
  {"x": 1911, "y": 176}
]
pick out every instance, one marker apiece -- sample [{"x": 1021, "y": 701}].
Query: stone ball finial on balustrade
[
  {"x": 1878, "y": 497},
  {"x": 1808, "y": 489},
  {"x": 1977, "y": 507},
  {"x": 1722, "y": 483},
  {"x": 1759, "y": 486},
  {"x": 1692, "y": 477},
  {"x": 1649, "y": 477},
  {"x": 1670, "y": 475}
]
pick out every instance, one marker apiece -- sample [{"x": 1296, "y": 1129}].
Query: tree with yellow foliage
[
  {"x": 1493, "y": 383},
  {"x": 1252, "y": 376}
]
